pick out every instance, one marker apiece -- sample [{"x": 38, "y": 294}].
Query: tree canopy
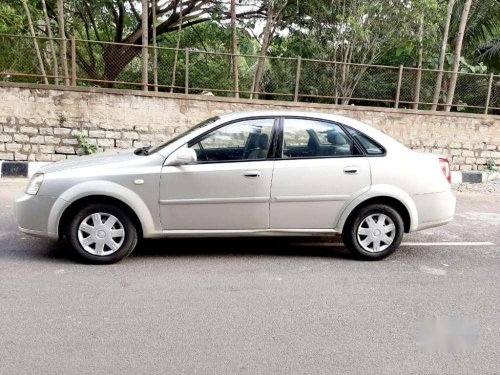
[{"x": 385, "y": 32}]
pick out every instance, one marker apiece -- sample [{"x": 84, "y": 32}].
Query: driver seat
[{"x": 260, "y": 152}]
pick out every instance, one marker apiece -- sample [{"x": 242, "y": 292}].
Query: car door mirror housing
[{"x": 182, "y": 157}]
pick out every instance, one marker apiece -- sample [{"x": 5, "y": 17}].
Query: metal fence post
[
  {"x": 155, "y": 44},
  {"x": 186, "y": 73},
  {"x": 73, "y": 61},
  {"x": 398, "y": 89},
  {"x": 236, "y": 75},
  {"x": 297, "y": 80},
  {"x": 488, "y": 95},
  {"x": 418, "y": 83},
  {"x": 144, "y": 44}
]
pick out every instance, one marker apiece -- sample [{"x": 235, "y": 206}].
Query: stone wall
[{"x": 41, "y": 123}]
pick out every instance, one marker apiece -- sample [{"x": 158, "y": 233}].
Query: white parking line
[
  {"x": 447, "y": 244},
  {"x": 403, "y": 244}
]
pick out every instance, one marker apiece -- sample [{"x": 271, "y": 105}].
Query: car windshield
[{"x": 172, "y": 140}]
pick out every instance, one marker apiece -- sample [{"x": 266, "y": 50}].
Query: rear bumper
[
  {"x": 32, "y": 214},
  {"x": 434, "y": 209}
]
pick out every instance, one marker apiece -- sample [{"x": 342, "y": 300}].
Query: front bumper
[{"x": 32, "y": 214}]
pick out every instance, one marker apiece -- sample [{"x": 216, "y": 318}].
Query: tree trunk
[
  {"x": 155, "y": 50},
  {"x": 345, "y": 83},
  {"x": 144, "y": 23},
  {"x": 55, "y": 66},
  {"x": 336, "y": 92},
  {"x": 259, "y": 72},
  {"x": 117, "y": 57},
  {"x": 234, "y": 50},
  {"x": 416, "y": 96},
  {"x": 442, "y": 55},
  {"x": 35, "y": 42},
  {"x": 62, "y": 35},
  {"x": 458, "y": 53},
  {"x": 177, "y": 44}
]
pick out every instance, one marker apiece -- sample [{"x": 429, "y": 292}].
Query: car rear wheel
[
  {"x": 374, "y": 232},
  {"x": 101, "y": 234}
]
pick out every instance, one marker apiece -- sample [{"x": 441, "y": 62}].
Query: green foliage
[
  {"x": 384, "y": 32},
  {"x": 12, "y": 17},
  {"x": 489, "y": 53},
  {"x": 491, "y": 165},
  {"x": 62, "y": 119},
  {"x": 88, "y": 147},
  {"x": 16, "y": 54},
  {"x": 469, "y": 68},
  {"x": 482, "y": 33}
]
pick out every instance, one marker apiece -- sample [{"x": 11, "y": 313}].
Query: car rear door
[
  {"x": 321, "y": 169},
  {"x": 229, "y": 186}
]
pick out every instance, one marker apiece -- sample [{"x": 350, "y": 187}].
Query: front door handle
[
  {"x": 252, "y": 174},
  {"x": 353, "y": 169}
]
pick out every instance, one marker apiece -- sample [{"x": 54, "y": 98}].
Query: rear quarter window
[{"x": 369, "y": 145}]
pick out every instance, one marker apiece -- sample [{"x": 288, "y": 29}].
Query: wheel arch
[
  {"x": 103, "y": 192},
  {"x": 78, "y": 204},
  {"x": 394, "y": 198}
]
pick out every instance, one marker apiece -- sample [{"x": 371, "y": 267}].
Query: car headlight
[{"x": 35, "y": 183}]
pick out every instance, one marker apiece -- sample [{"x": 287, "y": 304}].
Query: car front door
[
  {"x": 229, "y": 186},
  {"x": 321, "y": 169}
]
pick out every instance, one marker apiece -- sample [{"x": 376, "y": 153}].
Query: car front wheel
[
  {"x": 374, "y": 232},
  {"x": 101, "y": 233}
]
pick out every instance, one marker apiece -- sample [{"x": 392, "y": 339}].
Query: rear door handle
[
  {"x": 353, "y": 169},
  {"x": 252, "y": 174}
]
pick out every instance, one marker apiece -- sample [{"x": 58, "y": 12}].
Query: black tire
[
  {"x": 350, "y": 231},
  {"x": 127, "y": 246}
]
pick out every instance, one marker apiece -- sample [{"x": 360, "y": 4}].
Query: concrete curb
[
  {"x": 28, "y": 169},
  {"x": 473, "y": 177}
]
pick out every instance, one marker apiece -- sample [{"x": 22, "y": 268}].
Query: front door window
[{"x": 242, "y": 140}]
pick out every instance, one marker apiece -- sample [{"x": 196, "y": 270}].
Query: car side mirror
[{"x": 182, "y": 157}]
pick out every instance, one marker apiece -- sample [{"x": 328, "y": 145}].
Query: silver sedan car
[{"x": 243, "y": 174}]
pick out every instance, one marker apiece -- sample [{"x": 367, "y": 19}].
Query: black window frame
[{"x": 272, "y": 144}]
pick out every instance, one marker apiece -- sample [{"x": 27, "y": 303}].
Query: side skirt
[{"x": 245, "y": 233}]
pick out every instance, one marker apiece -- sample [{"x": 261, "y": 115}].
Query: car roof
[
  {"x": 319, "y": 115},
  {"x": 235, "y": 115}
]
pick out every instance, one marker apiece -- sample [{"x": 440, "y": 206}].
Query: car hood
[{"x": 109, "y": 157}]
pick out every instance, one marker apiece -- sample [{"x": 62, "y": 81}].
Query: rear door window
[{"x": 308, "y": 138}]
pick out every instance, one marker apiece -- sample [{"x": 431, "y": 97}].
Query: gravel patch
[{"x": 483, "y": 187}]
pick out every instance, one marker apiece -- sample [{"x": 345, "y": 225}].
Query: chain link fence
[
  {"x": 19, "y": 61},
  {"x": 107, "y": 64},
  {"x": 471, "y": 90},
  {"x": 114, "y": 65},
  {"x": 495, "y": 93}
]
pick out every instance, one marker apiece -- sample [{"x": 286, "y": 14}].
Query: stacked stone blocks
[{"x": 43, "y": 124}]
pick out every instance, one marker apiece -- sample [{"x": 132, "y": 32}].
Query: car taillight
[{"x": 445, "y": 167}]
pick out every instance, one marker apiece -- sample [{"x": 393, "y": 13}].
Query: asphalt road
[{"x": 255, "y": 306}]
